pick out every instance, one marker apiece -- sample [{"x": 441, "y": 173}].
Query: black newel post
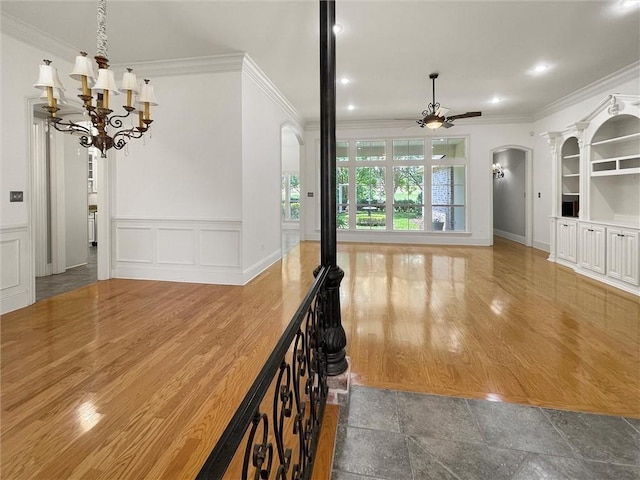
[{"x": 335, "y": 339}]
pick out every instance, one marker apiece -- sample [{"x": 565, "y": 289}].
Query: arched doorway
[{"x": 511, "y": 194}]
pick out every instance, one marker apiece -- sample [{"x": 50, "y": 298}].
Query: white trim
[
  {"x": 230, "y": 62},
  {"x": 140, "y": 258},
  {"x": 545, "y": 247},
  {"x": 254, "y": 270},
  {"x": 510, "y": 236},
  {"x": 528, "y": 203},
  {"x": 628, "y": 73},
  {"x": 35, "y": 37},
  {"x": 18, "y": 293},
  {"x": 254, "y": 72},
  {"x": 417, "y": 238}
]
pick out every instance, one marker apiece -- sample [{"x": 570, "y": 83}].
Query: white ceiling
[{"x": 480, "y": 48}]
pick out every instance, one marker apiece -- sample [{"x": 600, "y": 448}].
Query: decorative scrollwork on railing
[{"x": 296, "y": 370}]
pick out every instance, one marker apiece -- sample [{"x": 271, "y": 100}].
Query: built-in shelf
[
  {"x": 566, "y": 157},
  {"x": 624, "y": 138},
  {"x": 574, "y": 194},
  {"x": 569, "y": 175}
]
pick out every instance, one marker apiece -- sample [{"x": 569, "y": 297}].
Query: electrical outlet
[{"x": 16, "y": 196}]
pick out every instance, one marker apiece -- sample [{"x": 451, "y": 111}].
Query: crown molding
[
  {"x": 229, "y": 62},
  {"x": 251, "y": 69},
  {"x": 604, "y": 85},
  {"x": 405, "y": 124},
  {"x": 35, "y": 37}
]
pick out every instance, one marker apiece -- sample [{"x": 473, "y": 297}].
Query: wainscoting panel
[
  {"x": 180, "y": 250},
  {"x": 134, "y": 244},
  {"x": 220, "y": 248},
  {"x": 15, "y": 283},
  {"x": 176, "y": 246}
]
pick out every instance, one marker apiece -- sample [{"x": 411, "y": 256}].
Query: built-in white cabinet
[
  {"x": 595, "y": 218},
  {"x": 622, "y": 255},
  {"x": 566, "y": 241},
  {"x": 591, "y": 249}
]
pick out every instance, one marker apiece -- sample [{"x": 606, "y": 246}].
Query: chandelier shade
[
  {"x": 106, "y": 130},
  {"x": 83, "y": 68}
]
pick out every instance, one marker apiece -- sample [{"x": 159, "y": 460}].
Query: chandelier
[{"x": 95, "y": 97}]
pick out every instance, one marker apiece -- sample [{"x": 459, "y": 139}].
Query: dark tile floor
[
  {"x": 73, "y": 278},
  {"x": 385, "y": 434}
]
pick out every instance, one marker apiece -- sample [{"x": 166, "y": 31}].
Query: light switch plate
[{"x": 16, "y": 196}]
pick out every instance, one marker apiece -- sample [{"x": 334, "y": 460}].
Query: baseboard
[
  {"x": 259, "y": 267},
  {"x": 407, "y": 238},
  {"x": 545, "y": 247},
  {"x": 510, "y": 236}
]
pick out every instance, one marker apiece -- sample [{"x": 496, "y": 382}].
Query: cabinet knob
[{"x": 620, "y": 235}]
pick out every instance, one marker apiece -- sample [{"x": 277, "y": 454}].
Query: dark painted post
[{"x": 335, "y": 339}]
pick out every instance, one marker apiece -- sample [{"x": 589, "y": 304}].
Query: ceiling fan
[{"x": 435, "y": 115}]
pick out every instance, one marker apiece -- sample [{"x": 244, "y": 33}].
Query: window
[
  {"x": 408, "y": 206},
  {"x": 423, "y": 180},
  {"x": 448, "y": 197},
  {"x": 408, "y": 149},
  {"x": 342, "y": 197},
  {"x": 342, "y": 151},
  {"x": 370, "y": 198},
  {"x": 371, "y": 150},
  {"x": 290, "y": 197}
]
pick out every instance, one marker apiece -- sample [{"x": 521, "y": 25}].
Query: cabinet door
[
  {"x": 591, "y": 251},
  {"x": 622, "y": 255},
  {"x": 567, "y": 241}
]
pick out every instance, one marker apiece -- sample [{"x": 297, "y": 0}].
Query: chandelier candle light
[{"x": 103, "y": 87}]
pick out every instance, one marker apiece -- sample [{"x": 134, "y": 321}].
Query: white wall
[
  {"x": 261, "y": 164},
  {"x": 201, "y": 200},
  {"x": 509, "y": 216},
  {"x": 290, "y": 151},
  {"x": 20, "y": 71}
]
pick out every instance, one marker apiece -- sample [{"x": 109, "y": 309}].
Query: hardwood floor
[
  {"x": 137, "y": 379},
  {"x": 497, "y": 323}
]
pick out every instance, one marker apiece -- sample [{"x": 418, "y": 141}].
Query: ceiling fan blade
[
  {"x": 442, "y": 111},
  {"x": 464, "y": 115},
  {"x": 447, "y": 124}
]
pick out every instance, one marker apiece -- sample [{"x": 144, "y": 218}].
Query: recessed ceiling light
[
  {"x": 344, "y": 80},
  {"x": 541, "y": 68},
  {"x": 351, "y": 107},
  {"x": 496, "y": 100},
  {"x": 337, "y": 28}
]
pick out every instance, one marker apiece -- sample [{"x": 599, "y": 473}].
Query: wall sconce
[{"x": 497, "y": 170}]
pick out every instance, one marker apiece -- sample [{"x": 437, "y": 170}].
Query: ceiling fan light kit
[{"x": 434, "y": 116}]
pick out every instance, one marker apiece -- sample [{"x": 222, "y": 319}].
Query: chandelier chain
[{"x": 102, "y": 29}]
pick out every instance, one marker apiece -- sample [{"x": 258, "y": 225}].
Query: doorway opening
[
  {"x": 64, "y": 205},
  {"x": 512, "y": 200},
  {"x": 290, "y": 202}
]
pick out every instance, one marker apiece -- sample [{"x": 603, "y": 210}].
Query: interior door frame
[
  {"x": 104, "y": 204},
  {"x": 528, "y": 185}
]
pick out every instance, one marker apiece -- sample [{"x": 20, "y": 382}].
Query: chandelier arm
[
  {"x": 70, "y": 127},
  {"x": 115, "y": 120},
  {"x": 129, "y": 133}
]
